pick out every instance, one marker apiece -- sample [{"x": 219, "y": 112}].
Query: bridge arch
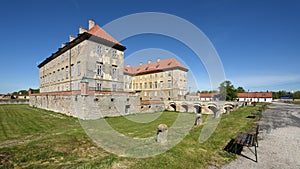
[
  {"x": 184, "y": 107},
  {"x": 197, "y": 108},
  {"x": 172, "y": 106}
]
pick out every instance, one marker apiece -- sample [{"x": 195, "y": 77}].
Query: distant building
[
  {"x": 160, "y": 80},
  {"x": 256, "y": 96},
  {"x": 208, "y": 96}
]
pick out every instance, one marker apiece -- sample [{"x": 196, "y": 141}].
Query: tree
[
  {"x": 227, "y": 91},
  {"x": 240, "y": 90},
  {"x": 296, "y": 95}
]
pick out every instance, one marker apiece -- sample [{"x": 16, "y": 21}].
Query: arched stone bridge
[{"x": 201, "y": 107}]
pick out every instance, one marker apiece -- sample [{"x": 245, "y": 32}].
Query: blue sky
[{"x": 257, "y": 41}]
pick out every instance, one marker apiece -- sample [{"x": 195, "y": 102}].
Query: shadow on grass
[
  {"x": 251, "y": 117},
  {"x": 230, "y": 147}
]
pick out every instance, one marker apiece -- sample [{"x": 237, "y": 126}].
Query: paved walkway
[{"x": 280, "y": 147}]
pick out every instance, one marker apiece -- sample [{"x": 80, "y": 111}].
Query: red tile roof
[
  {"x": 99, "y": 32},
  {"x": 255, "y": 95},
  {"x": 208, "y": 95},
  {"x": 161, "y": 65}
]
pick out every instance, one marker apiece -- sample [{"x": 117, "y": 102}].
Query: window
[
  {"x": 67, "y": 56},
  {"x": 155, "y": 93},
  {"x": 114, "y": 87},
  {"x": 62, "y": 75},
  {"x": 161, "y": 84},
  {"x": 99, "y": 49},
  {"x": 133, "y": 86},
  {"x": 150, "y": 76},
  {"x": 58, "y": 75},
  {"x": 67, "y": 73},
  {"x": 78, "y": 49},
  {"x": 150, "y": 85},
  {"x": 155, "y": 75},
  {"x": 72, "y": 53},
  {"x": 141, "y": 85},
  {"x": 78, "y": 69},
  {"x": 145, "y": 93},
  {"x": 72, "y": 86},
  {"x": 54, "y": 77},
  {"x": 169, "y": 92},
  {"x": 130, "y": 85},
  {"x": 161, "y": 74},
  {"x": 169, "y": 73},
  {"x": 99, "y": 86},
  {"x": 155, "y": 85},
  {"x": 78, "y": 86},
  {"x": 114, "y": 73},
  {"x": 72, "y": 71},
  {"x": 145, "y": 85},
  {"x": 114, "y": 53},
  {"x": 169, "y": 84},
  {"x": 62, "y": 87},
  {"x": 99, "y": 69}
]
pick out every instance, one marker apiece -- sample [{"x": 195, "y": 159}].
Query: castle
[{"x": 86, "y": 78}]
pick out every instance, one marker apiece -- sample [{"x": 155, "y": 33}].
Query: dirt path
[{"x": 280, "y": 147}]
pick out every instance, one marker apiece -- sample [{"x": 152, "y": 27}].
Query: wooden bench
[{"x": 247, "y": 139}]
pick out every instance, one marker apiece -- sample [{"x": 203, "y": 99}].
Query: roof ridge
[{"x": 99, "y": 32}]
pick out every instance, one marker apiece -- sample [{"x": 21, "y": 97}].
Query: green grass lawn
[
  {"x": 35, "y": 138},
  {"x": 296, "y": 102}
]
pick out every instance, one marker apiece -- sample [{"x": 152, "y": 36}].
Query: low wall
[
  {"x": 14, "y": 101},
  {"x": 93, "y": 106}
]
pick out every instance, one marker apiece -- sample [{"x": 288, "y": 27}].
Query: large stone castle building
[
  {"x": 86, "y": 78},
  {"x": 94, "y": 54}
]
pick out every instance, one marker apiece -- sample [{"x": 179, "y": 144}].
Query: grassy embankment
[{"x": 35, "y": 138}]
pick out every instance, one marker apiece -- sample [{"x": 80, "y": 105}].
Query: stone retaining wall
[
  {"x": 93, "y": 106},
  {"x": 14, "y": 101}
]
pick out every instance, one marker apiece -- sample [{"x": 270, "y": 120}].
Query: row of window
[
  {"x": 141, "y": 77},
  {"x": 61, "y": 74},
  {"x": 100, "y": 50},
  {"x": 99, "y": 87},
  {"x": 100, "y": 70},
  {"x": 155, "y": 93},
  {"x": 62, "y": 87},
  {"x": 63, "y": 57},
  {"x": 151, "y": 85}
]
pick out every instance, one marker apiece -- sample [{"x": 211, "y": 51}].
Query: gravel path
[{"x": 280, "y": 147}]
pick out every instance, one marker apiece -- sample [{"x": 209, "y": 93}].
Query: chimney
[
  {"x": 141, "y": 63},
  {"x": 158, "y": 59},
  {"x": 71, "y": 38},
  {"x": 149, "y": 61},
  {"x": 82, "y": 30},
  {"x": 91, "y": 24},
  {"x": 128, "y": 65},
  {"x": 63, "y": 45}
]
